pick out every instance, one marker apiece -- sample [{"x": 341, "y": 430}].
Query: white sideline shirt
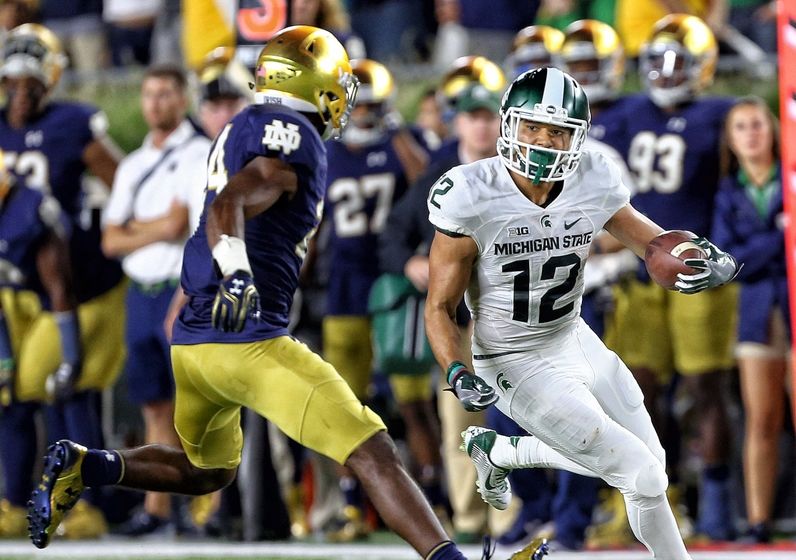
[{"x": 180, "y": 176}]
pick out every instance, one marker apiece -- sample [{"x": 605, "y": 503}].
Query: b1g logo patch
[
  {"x": 518, "y": 231},
  {"x": 281, "y": 137}
]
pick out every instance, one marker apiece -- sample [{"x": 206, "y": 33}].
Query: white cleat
[{"x": 494, "y": 487}]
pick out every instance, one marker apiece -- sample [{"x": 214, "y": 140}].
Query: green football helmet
[{"x": 549, "y": 96}]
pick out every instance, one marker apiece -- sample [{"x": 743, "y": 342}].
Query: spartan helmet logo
[{"x": 545, "y": 221}]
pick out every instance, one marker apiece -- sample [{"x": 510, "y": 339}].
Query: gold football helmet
[
  {"x": 369, "y": 118},
  {"x": 593, "y": 55},
  {"x": 221, "y": 76},
  {"x": 307, "y": 69},
  {"x": 678, "y": 60},
  {"x": 33, "y": 50},
  {"x": 466, "y": 71},
  {"x": 534, "y": 47}
]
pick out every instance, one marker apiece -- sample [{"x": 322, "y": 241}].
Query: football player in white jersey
[{"x": 513, "y": 232}]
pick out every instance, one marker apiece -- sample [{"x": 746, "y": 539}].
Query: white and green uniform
[
  {"x": 529, "y": 276},
  {"x": 552, "y": 374}
]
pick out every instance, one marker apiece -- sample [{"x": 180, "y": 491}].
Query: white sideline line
[{"x": 153, "y": 549}]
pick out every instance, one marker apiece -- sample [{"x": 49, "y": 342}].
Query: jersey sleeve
[
  {"x": 120, "y": 203},
  {"x": 615, "y": 194},
  {"x": 450, "y": 205}
]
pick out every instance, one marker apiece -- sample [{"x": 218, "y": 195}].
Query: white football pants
[{"x": 587, "y": 414}]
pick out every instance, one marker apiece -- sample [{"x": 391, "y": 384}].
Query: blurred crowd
[{"x": 91, "y": 246}]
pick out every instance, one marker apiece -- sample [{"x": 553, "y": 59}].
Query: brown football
[{"x": 665, "y": 255}]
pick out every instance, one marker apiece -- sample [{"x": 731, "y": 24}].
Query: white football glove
[{"x": 715, "y": 270}]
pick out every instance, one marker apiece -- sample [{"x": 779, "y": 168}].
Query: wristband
[
  {"x": 70, "y": 335},
  {"x": 230, "y": 255},
  {"x": 455, "y": 369}
]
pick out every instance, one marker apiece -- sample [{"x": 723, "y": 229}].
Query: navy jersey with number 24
[{"x": 276, "y": 240}]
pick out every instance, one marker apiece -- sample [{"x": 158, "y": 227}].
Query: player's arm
[
  {"x": 53, "y": 265},
  {"x": 102, "y": 157},
  {"x": 119, "y": 240},
  {"x": 251, "y": 191},
  {"x": 412, "y": 156},
  {"x": 178, "y": 301},
  {"x": 633, "y": 229},
  {"x": 451, "y": 264}
]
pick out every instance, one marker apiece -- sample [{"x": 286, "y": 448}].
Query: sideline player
[
  {"x": 513, "y": 232},
  {"x": 265, "y": 190},
  {"x": 51, "y": 145}
]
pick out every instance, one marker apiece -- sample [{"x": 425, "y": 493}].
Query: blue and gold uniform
[
  {"x": 673, "y": 156},
  {"x": 47, "y": 153},
  {"x": 363, "y": 184},
  {"x": 261, "y": 367}
]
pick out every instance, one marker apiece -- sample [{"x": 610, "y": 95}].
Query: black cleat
[{"x": 59, "y": 489}]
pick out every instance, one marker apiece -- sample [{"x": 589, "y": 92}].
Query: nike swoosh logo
[{"x": 567, "y": 226}]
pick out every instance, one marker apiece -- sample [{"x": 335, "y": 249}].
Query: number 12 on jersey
[{"x": 548, "y": 312}]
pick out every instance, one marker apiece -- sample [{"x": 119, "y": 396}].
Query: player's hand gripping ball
[{"x": 665, "y": 255}]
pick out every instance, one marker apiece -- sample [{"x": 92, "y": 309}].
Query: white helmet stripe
[{"x": 553, "y": 88}]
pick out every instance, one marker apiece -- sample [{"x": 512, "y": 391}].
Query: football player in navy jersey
[
  {"x": 49, "y": 145},
  {"x": 34, "y": 256},
  {"x": 369, "y": 170},
  {"x": 673, "y": 154},
  {"x": 265, "y": 191}
]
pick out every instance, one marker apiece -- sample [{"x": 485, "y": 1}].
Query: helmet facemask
[
  {"x": 540, "y": 164},
  {"x": 599, "y": 77},
  {"x": 670, "y": 73}
]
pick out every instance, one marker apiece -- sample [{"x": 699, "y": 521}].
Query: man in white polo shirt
[{"x": 147, "y": 222}]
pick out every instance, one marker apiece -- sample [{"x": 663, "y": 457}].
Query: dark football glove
[
  {"x": 61, "y": 385},
  {"x": 237, "y": 299},
  {"x": 474, "y": 393},
  {"x": 715, "y": 270},
  {"x": 7, "y": 370}
]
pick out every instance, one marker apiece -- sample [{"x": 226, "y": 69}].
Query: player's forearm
[
  {"x": 120, "y": 241},
  {"x": 444, "y": 335},
  {"x": 52, "y": 263},
  {"x": 225, "y": 217}
]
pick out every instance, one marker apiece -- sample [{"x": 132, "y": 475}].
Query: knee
[
  {"x": 376, "y": 453},
  {"x": 651, "y": 481}
]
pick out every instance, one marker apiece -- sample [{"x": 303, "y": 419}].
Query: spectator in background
[
  {"x": 635, "y": 19},
  {"x": 748, "y": 220},
  {"x": 166, "y": 36},
  {"x": 757, "y": 19},
  {"x": 391, "y": 29},
  {"x": 34, "y": 256},
  {"x": 332, "y": 16},
  {"x": 130, "y": 26},
  {"x": 78, "y": 23},
  {"x": 429, "y": 121},
  {"x": 478, "y": 27},
  {"x": 17, "y": 12},
  {"x": 533, "y": 47},
  {"x": 51, "y": 145},
  {"x": 146, "y": 224}
]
